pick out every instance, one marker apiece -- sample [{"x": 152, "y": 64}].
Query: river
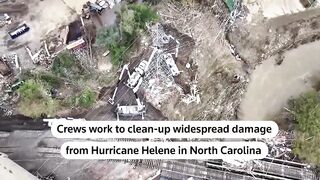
[{"x": 271, "y": 86}]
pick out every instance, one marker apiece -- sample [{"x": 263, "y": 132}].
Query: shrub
[
  {"x": 108, "y": 36},
  {"x": 51, "y": 79},
  {"x": 142, "y": 15},
  {"x": 128, "y": 23},
  {"x": 230, "y": 4},
  {"x": 86, "y": 99},
  {"x": 117, "y": 52},
  {"x": 63, "y": 64},
  {"x": 306, "y": 111},
  {"x": 133, "y": 19},
  {"x": 32, "y": 90},
  {"x": 35, "y": 100}
]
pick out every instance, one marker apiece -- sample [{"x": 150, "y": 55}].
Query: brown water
[
  {"x": 271, "y": 86},
  {"x": 274, "y": 8}
]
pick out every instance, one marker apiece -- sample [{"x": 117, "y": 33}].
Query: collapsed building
[{"x": 154, "y": 75}]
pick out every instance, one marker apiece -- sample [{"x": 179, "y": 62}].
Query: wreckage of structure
[{"x": 160, "y": 67}]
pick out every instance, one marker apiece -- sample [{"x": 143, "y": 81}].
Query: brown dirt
[
  {"x": 220, "y": 94},
  {"x": 267, "y": 38},
  {"x": 187, "y": 44},
  {"x": 216, "y": 67},
  {"x": 13, "y": 8}
]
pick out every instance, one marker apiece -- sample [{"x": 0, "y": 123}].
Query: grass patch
[
  {"x": 51, "y": 79},
  {"x": 306, "y": 112},
  {"x": 108, "y": 36},
  {"x": 32, "y": 90},
  {"x": 39, "y": 97},
  {"x": 230, "y": 4},
  {"x": 47, "y": 78},
  {"x": 85, "y": 99},
  {"x": 35, "y": 100},
  {"x": 65, "y": 65}
]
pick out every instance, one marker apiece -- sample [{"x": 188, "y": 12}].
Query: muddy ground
[
  {"x": 216, "y": 67},
  {"x": 258, "y": 41},
  {"x": 47, "y": 21},
  {"x": 31, "y": 12},
  {"x": 222, "y": 96}
]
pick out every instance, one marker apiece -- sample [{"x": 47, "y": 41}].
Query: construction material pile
[
  {"x": 5, "y": 19},
  {"x": 159, "y": 83},
  {"x": 280, "y": 146}
]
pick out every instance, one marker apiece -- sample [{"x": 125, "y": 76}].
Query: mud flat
[{"x": 271, "y": 85}]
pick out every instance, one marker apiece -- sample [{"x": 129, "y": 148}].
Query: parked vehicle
[{"x": 19, "y": 31}]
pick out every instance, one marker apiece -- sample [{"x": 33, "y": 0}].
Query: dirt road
[{"x": 41, "y": 16}]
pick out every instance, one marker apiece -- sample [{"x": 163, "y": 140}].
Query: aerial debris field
[{"x": 167, "y": 60}]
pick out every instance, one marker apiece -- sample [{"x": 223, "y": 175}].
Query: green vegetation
[
  {"x": 127, "y": 24},
  {"x": 51, "y": 79},
  {"x": 108, "y": 36},
  {"x": 85, "y": 99},
  {"x": 306, "y": 111},
  {"x": 35, "y": 99},
  {"x": 119, "y": 39},
  {"x": 66, "y": 66},
  {"x": 45, "y": 93},
  {"x": 142, "y": 15},
  {"x": 32, "y": 90},
  {"x": 230, "y": 4},
  {"x": 118, "y": 52}
]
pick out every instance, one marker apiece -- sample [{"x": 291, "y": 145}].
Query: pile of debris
[
  {"x": 40, "y": 57},
  {"x": 98, "y": 7},
  {"x": 154, "y": 74},
  {"x": 281, "y": 146},
  {"x": 159, "y": 83},
  {"x": 70, "y": 37},
  {"x": 239, "y": 164},
  {"x": 9, "y": 70},
  {"x": 194, "y": 95},
  {"x": 5, "y": 19},
  {"x": 9, "y": 65},
  {"x": 4, "y": 68}
]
